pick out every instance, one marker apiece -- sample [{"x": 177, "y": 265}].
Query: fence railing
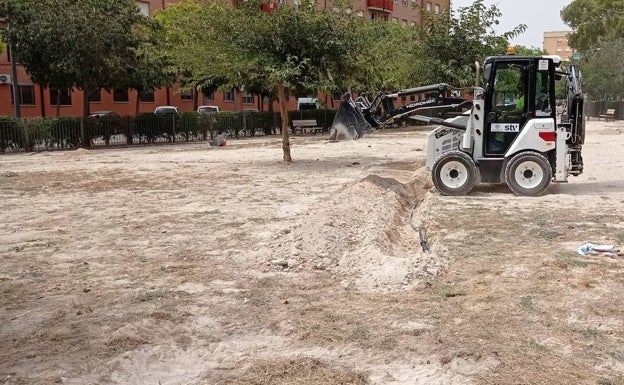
[
  {"x": 595, "y": 109},
  {"x": 41, "y": 134}
]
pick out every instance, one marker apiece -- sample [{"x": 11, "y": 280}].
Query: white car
[
  {"x": 166, "y": 110},
  {"x": 207, "y": 109}
]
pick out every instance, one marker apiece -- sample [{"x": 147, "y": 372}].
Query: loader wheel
[
  {"x": 454, "y": 173},
  {"x": 528, "y": 173}
]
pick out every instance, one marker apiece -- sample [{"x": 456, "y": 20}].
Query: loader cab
[{"x": 518, "y": 89}]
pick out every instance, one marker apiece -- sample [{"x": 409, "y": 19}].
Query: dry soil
[{"x": 187, "y": 264}]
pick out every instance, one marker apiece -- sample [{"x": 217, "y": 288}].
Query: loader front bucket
[{"x": 349, "y": 123}]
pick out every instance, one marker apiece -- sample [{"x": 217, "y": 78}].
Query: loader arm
[{"x": 383, "y": 112}]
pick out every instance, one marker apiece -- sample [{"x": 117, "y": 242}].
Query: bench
[
  {"x": 306, "y": 125},
  {"x": 609, "y": 115}
]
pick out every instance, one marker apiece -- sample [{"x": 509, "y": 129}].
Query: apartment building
[
  {"x": 556, "y": 43},
  {"x": 42, "y": 101}
]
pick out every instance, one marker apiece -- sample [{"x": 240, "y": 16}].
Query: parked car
[
  {"x": 165, "y": 110},
  {"x": 207, "y": 109},
  {"x": 104, "y": 114},
  {"x": 106, "y": 124},
  {"x": 307, "y": 104}
]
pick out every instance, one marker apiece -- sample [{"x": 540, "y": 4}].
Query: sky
[{"x": 538, "y": 15}]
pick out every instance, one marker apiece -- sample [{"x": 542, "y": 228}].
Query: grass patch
[
  {"x": 526, "y": 302},
  {"x": 565, "y": 259},
  {"x": 548, "y": 234},
  {"x": 297, "y": 372}
]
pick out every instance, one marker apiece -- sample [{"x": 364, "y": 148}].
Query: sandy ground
[{"x": 187, "y": 264}]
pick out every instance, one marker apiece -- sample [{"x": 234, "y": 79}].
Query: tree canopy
[
  {"x": 451, "y": 42},
  {"x": 301, "y": 50},
  {"x": 291, "y": 51},
  {"x": 87, "y": 44},
  {"x": 593, "y": 22},
  {"x": 603, "y": 72}
]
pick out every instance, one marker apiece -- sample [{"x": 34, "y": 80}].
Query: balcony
[{"x": 380, "y": 5}]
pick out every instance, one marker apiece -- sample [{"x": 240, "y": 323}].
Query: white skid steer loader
[{"x": 509, "y": 131}]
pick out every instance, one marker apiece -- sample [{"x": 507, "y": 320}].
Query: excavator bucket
[{"x": 349, "y": 123}]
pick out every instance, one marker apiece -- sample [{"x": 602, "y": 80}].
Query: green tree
[
  {"x": 530, "y": 51},
  {"x": 294, "y": 51},
  {"x": 603, "y": 72},
  {"x": 382, "y": 56},
  {"x": 291, "y": 51},
  {"x": 148, "y": 68},
  {"x": 450, "y": 43},
  {"x": 594, "y": 21},
  {"x": 191, "y": 45},
  {"x": 86, "y": 44}
]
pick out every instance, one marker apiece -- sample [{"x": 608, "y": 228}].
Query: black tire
[
  {"x": 528, "y": 173},
  {"x": 454, "y": 173}
]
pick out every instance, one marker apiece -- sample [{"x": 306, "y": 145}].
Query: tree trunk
[
  {"x": 137, "y": 104},
  {"x": 58, "y": 102},
  {"x": 284, "y": 111},
  {"x": 41, "y": 97},
  {"x": 86, "y": 106},
  {"x": 86, "y": 111}
]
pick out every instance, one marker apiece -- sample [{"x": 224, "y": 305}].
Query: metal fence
[
  {"x": 42, "y": 134},
  {"x": 595, "y": 109}
]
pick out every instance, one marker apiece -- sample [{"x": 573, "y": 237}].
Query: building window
[
  {"x": 559, "y": 49},
  {"x": 146, "y": 96},
  {"x": 412, "y": 24},
  {"x": 186, "y": 95},
  {"x": 60, "y": 97},
  {"x": 396, "y": 1},
  {"x": 373, "y": 16},
  {"x": 143, "y": 7},
  {"x": 208, "y": 95},
  {"x": 120, "y": 96},
  {"x": 395, "y": 20},
  {"x": 95, "y": 96},
  {"x": 360, "y": 13},
  {"x": 436, "y": 9},
  {"x": 412, "y": 98},
  {"x": 27, "y": 95},
  {"x": 429, "y": 7},
  {"x": 228, "y": 96},
  {"x": 248, "y": 98},
  {"x": 348, "y": 11},
  {"x": 414, "y": 4},
  {"x": 404, "y": 3}
]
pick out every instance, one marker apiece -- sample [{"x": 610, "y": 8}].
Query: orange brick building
[
  {"x": 556, "y": 43},
  {"x": 40, "y": 101}
]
